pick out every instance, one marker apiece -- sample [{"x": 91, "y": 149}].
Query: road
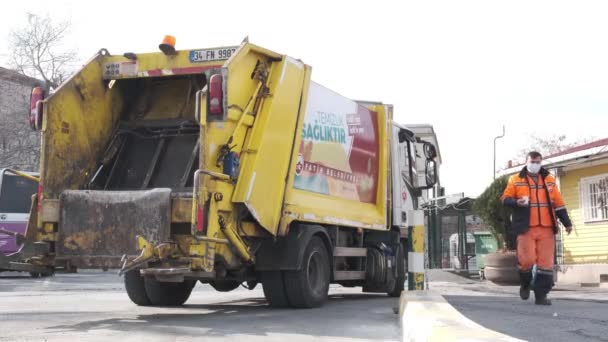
[
  {"x": 577, "y": 314},
  {"x": 93, "y": 306}
]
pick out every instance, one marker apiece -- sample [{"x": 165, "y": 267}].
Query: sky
[{"x": 466, "y": 67}]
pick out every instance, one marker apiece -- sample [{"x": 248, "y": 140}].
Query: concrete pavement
[{"x": 92, "y": 306}]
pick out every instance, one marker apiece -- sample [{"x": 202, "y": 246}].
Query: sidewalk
[{"x": 449, "y": 283}]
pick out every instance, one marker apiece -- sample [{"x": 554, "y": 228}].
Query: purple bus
[{"x": 15, "y": 201}]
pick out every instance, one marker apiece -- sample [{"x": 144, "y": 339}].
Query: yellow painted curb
[{"x": 427, "y": 316}]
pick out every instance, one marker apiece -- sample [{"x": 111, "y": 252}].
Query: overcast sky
[{"x": 466, "y": 67}]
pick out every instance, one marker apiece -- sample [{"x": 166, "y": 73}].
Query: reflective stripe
[
  {"x": 520, "y": 184},
  {"x": 415, "y": 262},
  {"x": 560, "y": 208},
  {"x": 541, "y": 271},
  {"x": 418, "y": 218},
  {"x": 542, "y": 205}
]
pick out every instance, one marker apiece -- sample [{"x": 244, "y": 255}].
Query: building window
[{"x": 594, "y": 198}]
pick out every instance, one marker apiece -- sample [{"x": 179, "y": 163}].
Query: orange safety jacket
[{"x": 545, "y": 206}]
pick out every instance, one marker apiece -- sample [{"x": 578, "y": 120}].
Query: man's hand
[
  {"x": 569, "y": 230},
  {"x": 522, "y": 202}
]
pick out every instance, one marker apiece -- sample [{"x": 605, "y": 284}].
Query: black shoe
[
  {"x": 524, "y": 292},
  {"x": 525, "y": 278},
  {"x": 542, "y": 301}
]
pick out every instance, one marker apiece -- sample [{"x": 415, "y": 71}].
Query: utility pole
[{"x": 496, "y": 138}]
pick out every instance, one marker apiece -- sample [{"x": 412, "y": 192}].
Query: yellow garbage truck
[{"x": 227, "y": 166}]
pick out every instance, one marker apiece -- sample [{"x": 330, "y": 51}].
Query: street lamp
[{"x": 496, "y": 138}]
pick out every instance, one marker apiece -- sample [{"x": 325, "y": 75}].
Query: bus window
[{"x": 16, "y": 194}]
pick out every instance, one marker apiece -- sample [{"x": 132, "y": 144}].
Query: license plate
[
  {"x": 208, "y": 55},
  {"x": 120, "y": 69}
]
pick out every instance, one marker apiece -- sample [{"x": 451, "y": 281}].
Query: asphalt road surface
[
  {"x": 565, "y": 320},
  {"x": 93, "y": 306},
  {"x": 577, "y": 314}
]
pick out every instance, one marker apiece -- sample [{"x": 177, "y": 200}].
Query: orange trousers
[{"x": 536, "y": 246}]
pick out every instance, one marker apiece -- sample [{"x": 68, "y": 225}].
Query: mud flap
[{"x": 98, "y": 227}]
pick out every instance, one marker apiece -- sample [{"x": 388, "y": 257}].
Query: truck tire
[
  {"x": 134, "y": 284},
  {"x": 308, "y": 286},
  {"x": 399, "y": 284},
  {"x": 40, "y": 274},
  {"x": 168, "y": 294},
  {"x": 224, "y": 285},
  {"x": 274, "y": 289}
]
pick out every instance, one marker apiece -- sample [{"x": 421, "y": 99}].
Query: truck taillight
[
  {"x": 200, "y": 219},
  {"x": 36, "y": 98},
  {"x": 216, "y": 96},
  {"x": 40, "y": 190}
]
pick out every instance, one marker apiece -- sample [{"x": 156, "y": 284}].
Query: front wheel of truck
[
  {"x": 401, "y": 264},
  {"x": 134, "y": 284},
  {"x": 274, "y": 289},
  {"x": 166, "y": 293},
  {"x": 308, "y": 286}
]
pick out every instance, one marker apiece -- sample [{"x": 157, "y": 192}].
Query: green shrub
[{"x": 490, "y": 209}]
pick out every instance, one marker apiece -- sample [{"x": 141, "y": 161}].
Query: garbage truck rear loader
[{"x": 227, "y": 166}]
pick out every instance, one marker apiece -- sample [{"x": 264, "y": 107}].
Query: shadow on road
[{"x": 252, "y": 316}]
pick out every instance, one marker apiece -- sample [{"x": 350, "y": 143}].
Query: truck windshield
[
  {"x": 16, "y": 194},
  {"x": 405, "y": 159}
]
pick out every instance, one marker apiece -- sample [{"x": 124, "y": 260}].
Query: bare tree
[
  {"x": 38, "y": 50},
  {"x": 550, "y": 145}
]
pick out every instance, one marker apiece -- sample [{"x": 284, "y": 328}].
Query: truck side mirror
[
  {"x": 406, "y": 135},
  {"x": 200, "y": 106},
  {"x": 430, "y": 152},
  {"x": 431, "y": 173}
]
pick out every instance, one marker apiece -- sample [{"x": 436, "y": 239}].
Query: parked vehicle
[
  {"x": 16, "y": 191},
  {"x": 227, "y": 166}
]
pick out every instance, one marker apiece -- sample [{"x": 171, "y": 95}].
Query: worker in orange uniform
[{"x": 537, "y": 204}]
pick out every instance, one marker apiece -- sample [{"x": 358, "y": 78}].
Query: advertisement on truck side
[{"x": 338, "y": 155}]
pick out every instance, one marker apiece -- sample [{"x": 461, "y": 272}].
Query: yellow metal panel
[
  {"x": 77, "y": 125},
  {"x": 588, "y": 243},
  {"x": 268, "y": 150},
  {"x": 160, "y": 64}
]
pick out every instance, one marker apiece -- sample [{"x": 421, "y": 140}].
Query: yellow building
[{"x": 582, "y": 175}]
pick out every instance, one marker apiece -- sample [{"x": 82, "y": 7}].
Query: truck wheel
[
  {"x": 274, "y": 289},
  {"x": 168, "y": 294},
  {"x": 308, "y": 287},
  {"x": 399, "y": 284},
  {"x": 224, "y": 285},
  {"x": 40, "y": 274},
  {"x": 134, "y": 284}
]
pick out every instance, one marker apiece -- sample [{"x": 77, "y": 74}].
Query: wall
[
  {"x": 589, "y": 242},
  {"x": 19, "y": 145}
]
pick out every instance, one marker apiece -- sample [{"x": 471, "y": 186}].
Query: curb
[{"x": 427, "y": 316}]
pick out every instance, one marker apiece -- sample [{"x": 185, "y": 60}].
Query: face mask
[{"x": 533, "y": 168}]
